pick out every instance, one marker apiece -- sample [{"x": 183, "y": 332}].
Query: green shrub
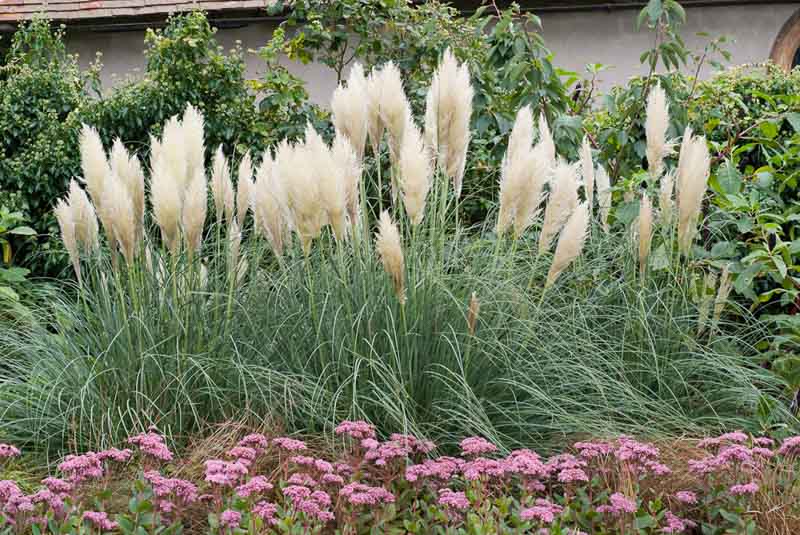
[{"x": 41, "y": 88}]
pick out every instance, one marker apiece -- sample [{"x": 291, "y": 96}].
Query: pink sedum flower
[
  {"x": 230, "y": 519},
  {"x": 544, "y": 511},
  {"x": 361, "y": 494},
  {"x": 7, "y": 451},
  {"x": 790, "y": 447},
  {"x": 571, "y": 475},
  {"x": 676, "y": 524},
  {"x": 258, "y": 485},
  {"x": 152, "y": 444},
  {"x": 744, "y": 489},
  {"x": 620, "y": 504},
  {"x": 266, "y": 511},
  {"x": 289, "y": 444},
  {"x": 476, "y": 446},
  {"x": 454, "y": 500},
  {"x": 356, "y": 429},
  {"x": 686, "y": 496},
  {"x": 99, "y": 519}
]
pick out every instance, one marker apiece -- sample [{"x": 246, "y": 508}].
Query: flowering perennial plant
[{"x": 610, "y": 486}]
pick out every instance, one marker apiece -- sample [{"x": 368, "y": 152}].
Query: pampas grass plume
[
  {"x": 221, "y": 186},
  {"x": 118, "y": 207},
  {"x": 167, "y": 204},
  {"x": 546, "y": 142},
  {"x": 415, "y": 173},
  {"x": 390, "y": 250},
  {"x": 66, "y": 222},
  {"x": 375, "y": 127},
  {"x": 269, "y": 203},
  {"x": 350, "y": 115},
  {"x": 472, "y": 313},
  {"x": 656, "y": 125},
  {"x": 694, "y": 165},
  {"x": 645, "y": 231},
  {"x": 725, "y": 283},
  {"x": 331, "y": 181},
  {"x": 561, "y": 203},
  {"x": 244, "y": 189},
  {"x": 195, "y": 207},
  {"x": 93, "y": 163},
  {"x": 129, "y": 170},
  {"x": 84, "y": 218},
  {"x": 394, "y": 108},
  {"x": 570, "y": 243},
  {"x": 603, "y": 195},
  {"x": 235, "y": 242},
  {"x": 193, "y": 126},
  {"x": 304, "y": 201},
  {"x": 448, "y": 109},
  {"x": 349, "y": 165}
]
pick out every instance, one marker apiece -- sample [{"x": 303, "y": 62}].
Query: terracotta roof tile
[{"x": 67, "y": 10}]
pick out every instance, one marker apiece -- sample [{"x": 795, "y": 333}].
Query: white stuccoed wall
[{"x": 576, "y": 39}]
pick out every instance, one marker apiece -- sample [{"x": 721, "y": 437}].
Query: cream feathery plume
[
  {"x": 221, "y": 186},
  {"x": 347, "y": 161},
  {"x": 195, "y": 207},
  {"x": 725, "y": 283},
  {"x": 645, "y": 231},
  {"x": 331, "y": 182},
  {"x": 570, "y": 243},
  {"x": 694, "y": 165},
  {"x": 244, "y": 189},
  {"x": 129, "y": 170},
  {"x": 394, "y": 107},
  {"x": 269, "y": 203},
  {"x": 93, "y": 163},
  {"x": 388, "y": 245},
  {"x": 84, "y": 218},
  {"x": 415, "y": 173},
  {"x": 448, "y": 108},
  {"x": 173, "y": 149},
  {"x": 514, "y": 168},
  {"x": 709, "y": 283},
  {"x": 687, "y": 139},
  {"x": 167, "y": 203},
  {"x": 66, "y": 223},
  {"x": 521, "y": 138},
  {"x": 665, "y": 202},
  {"x": 656, "y": 125},
  {"x": 304, "y": 200},
  {"x": 561, "y": 203},
  {"x": 375, "y": 126},
  {"x": 603, "y": 195},
  {"x": 587, "y": 170},
  {"x": 546, "y": 141},
  {"x": 193, "y": 125},
  {"x": 350, "y": 115},
  {"x": 118, "y": 206},
  {"x": 536, "y": 170}
]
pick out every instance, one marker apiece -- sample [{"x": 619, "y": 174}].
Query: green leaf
[
  {"x": 729, "y": 179},
  {"x": 794, "y": 120},
  {"x": 23, "y": 231}
]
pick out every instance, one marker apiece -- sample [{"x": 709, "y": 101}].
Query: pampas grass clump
[{"x": 306, "y": 319}]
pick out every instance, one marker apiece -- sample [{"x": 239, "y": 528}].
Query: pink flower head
[
  {"x": 53, "y": 500},
  {"x": 152, "y": 444},
  {"x": 386, "y": 452},
  {"x": 8, "y": 451},
  {"x": 99, "y": 519},
  {"x": 745, "y": 489},
  {"x": 266, "y": 511},
  {"x": 571, "y": 475},
  {"x": 764, "y": 442},
  {"x": 676, "y": 524},
  {"x": 590, "y": 450},
  {"x": 257, "y": 441},
  {"x": 257, "y": 485},
  {"x": 360, "y": 494},
  {"x": 323, "y": 466},
  {"x": 483, "y": 467},
  {"x": 356, "y": 429},
  {"x": 302, "y": 479},
  {"x": 225, "y": 473},
  {"x": 230, "y": 518},
  {"x": 370, "y": 444},
  {"x": 295, "y": 493},
  {"x": 476, "y": 446},
  {"x": 79, "y": 468},
  {"x": 686, "y": 496},
  {"x": 116, "y": 455},
  {"x": 184, "y": 490},
  {"x": 790, "y": 447},
  {"x": 454, "y": 500},
  {"x": 629, "y": 450},
  {"x": 332, "y": 479},
  {"x": 619, "y": 504},
  {"x": 544, "y": 511},
  {"x": 289, "y": 444},
  {"x": 57, "y": 486},
  {"x": 526, "y": 463},
  {"x": 243, "y": 454},
  {"x": 412, "y": 443}
]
